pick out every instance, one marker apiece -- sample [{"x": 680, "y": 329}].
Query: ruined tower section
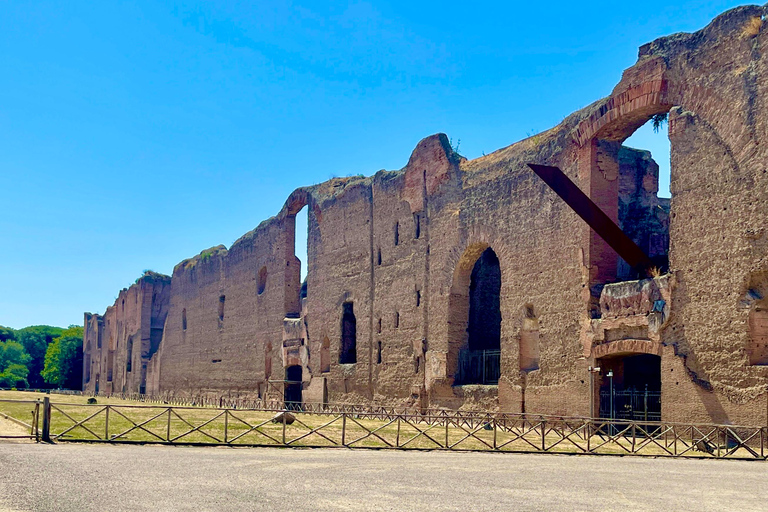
[
  {"x": 696, "y": 322},
  {"x": 119, "y": 344}
]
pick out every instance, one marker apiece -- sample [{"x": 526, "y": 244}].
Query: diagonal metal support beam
[{"x": 593, "y": 215}]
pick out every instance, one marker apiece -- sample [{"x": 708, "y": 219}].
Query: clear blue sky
[{"x": 136, "y": 134}]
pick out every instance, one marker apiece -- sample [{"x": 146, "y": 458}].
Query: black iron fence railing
[
  {"x": 630, "y": 404},
  {"x": 479, "y": 367}
]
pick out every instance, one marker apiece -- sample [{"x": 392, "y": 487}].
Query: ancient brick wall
[{"x": 397, "y": 249}]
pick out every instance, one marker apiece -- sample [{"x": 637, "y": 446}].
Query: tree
[
  {"x": 6, "y": 333},
  {"x": 13, "y": 365},
  {"x": 35, "y": 340},
  {"x": 64, "y": 359}
]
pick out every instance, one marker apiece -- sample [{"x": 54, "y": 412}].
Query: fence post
[
  {"x": 46, "y": 419},
  {"x": 106, "y": 424},
  {"x": 168, "y": 431},
  {"x": 226, "y": 424},
  {"x": 343, "y": 429},
  {"x": 494, "y": 434},
  {"x": 285, "y": 412},
  {"x": 446, "y": 432},
  {"x": 36, "y": 426}
]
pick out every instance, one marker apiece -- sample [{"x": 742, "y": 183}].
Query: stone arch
[
  {"x": 460, "y": 323},
  {"x": 298, "y": 199},
  {"x": 642, "y": 93}
]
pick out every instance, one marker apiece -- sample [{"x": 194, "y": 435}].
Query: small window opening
[
  {"x": 378, "y": 328},
  {"x": 416, "y": 364},
  {"x": 397, "y": 319},
  {"x": 418, "y": 298},
  {"x": 215, "y": 360},
  {"x": 378, "y": 257},
  {"x": 416, "y": 225},
  {"x": 184, "y": 319},
  {"x": 262, "y": 285},
  {"x": 397, "y": 233},
  {"x": 129, "y": 362},
  {"x": 348, "y": 352},
  {"x": 221, "y": 308},
  {"x": 378, "y": 354}
]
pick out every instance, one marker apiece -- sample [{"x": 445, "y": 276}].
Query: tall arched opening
[{"x": 475, "y": 318}]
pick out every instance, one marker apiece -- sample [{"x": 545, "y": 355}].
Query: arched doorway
[
  {"x": 475, "y": 318},
  {"x": 630, "y": 388},
  {"x": 292, "y": 396}
]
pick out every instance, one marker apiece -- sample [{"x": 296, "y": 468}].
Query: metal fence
[
  {"x": 389, "y": 429},
  {"x": 479, "y": 367},
  {"x": 630, "y": 405}
]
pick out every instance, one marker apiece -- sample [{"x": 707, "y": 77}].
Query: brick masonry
[{"x": 400, "y": 246}]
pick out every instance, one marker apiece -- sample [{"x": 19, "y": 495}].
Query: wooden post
[
  {"x": 343, "y": 429},
  {"x": 494, "y": 434},
  {"x": 168, "y": 431},
  {"x": 285, "y": 412},
  {"x": 36, "y": 425},
  {"x": 46, "y": 420},
  {"x": 446, "y": 432},
  {"x": 226, "y": 424},
  {"x": 106, "y": 423}
]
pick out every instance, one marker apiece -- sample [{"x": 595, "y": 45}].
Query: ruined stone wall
[
  {"x": 235, "y": 352},
  {"x": 399, "y": 247},
  {"x": 119, "y": 344}
]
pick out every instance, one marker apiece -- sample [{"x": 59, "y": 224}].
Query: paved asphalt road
[{"x": 81, "y": 477}]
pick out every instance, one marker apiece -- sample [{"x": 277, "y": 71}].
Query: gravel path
[{"x": 82, "y": 477}]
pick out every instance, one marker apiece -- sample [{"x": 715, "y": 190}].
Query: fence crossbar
[
  {"x": 197, "y": 428},
  {"x": 140, "y": 425},
  {"x": 470, "y": 433},
  {"x": 420, "y": 433},
  {"x": 79, "y": 423},
  {"x": 370, "y": 433},
  {"x": 315, "y": 431},
  {"x": 252, "y": 428}
]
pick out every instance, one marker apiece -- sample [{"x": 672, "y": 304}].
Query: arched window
[
  {"x": 476, "y": 305},
  {"x": 348, "y": 352},
  {"x": 484, "y": 303}
]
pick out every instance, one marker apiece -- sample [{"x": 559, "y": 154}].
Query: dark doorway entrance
[
  {"x": 633, "y": 392},
  {"x": 479, "y": 363},
  {"x": 292, "y": 395}
]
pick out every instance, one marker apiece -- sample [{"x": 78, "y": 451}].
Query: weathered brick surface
[{"x": 409, "y": 291}]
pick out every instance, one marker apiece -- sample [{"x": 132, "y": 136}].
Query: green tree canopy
[
  {"x": 63, "y": 365},
  {"x": 35, "y": 340},
  {"x": 13, "y": 365},
  {"x": 6, "y": 333}
]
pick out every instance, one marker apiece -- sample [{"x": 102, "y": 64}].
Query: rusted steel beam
[{"x": 593, "y": 215}]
